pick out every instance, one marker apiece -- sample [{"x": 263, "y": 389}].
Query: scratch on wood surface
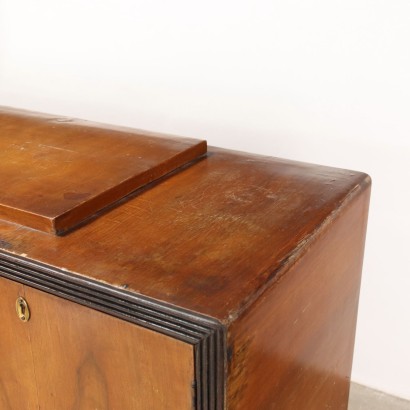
[
  {"x": 306, "y": 307},
  {"x": 302, "y": 246},
  {"x": 58, "y": 148}
]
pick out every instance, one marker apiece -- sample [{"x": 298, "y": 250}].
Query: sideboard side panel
[{"x": 293, "y": 347}]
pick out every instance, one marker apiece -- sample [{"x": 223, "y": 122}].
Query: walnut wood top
[
  {"x": 209, "y": 238},
  {"x": 56, "y": 172}
]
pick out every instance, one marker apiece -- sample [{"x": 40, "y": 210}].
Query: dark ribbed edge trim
[{"x": 205, "y": 334}]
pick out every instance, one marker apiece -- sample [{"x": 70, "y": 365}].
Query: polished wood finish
[
  {"x": 253, "y": 262},
  {"x": 85, "y": 359},
  {"x": 204, "y": 334},
  {"x": 230, "y": 219},
  {"x": 58, "y": 172},
  {"x": 292, "y": 349},
  {"x": 18, "y": 389},
  {"x": 71, "y": 357}
]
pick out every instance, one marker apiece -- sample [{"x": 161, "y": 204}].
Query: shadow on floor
[{"x": 364, "y": 398}]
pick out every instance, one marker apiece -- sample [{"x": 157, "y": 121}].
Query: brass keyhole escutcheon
[{"x": 22, "y": 309}]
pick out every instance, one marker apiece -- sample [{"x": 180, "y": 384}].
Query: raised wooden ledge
[{"x": 57, "y": 172}]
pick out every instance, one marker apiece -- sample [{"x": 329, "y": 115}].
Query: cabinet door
[
  {"x": 17, "y": 379},
  {"x": 84, "y": 359}
]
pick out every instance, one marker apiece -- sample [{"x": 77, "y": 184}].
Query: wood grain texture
[
  {"x": 209, "y": 239},
  {"x": 293, "y": 348},
  {"x": 18, "y": 389},
  {"x": 204, "y": 334},
  {"x": 84, "y": 359},
  {"x": 268, "y": 250},
  {"x": 57, "y": 172}
]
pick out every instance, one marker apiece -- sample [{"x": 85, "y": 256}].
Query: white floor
[{"x": 364, "y": 398}]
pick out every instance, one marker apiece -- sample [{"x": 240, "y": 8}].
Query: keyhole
[{"x": 22, "y": 309}]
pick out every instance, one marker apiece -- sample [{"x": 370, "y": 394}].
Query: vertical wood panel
[
  {"x": 17, "y": 379},
  {"x": 85, "y": 359},
  {"x": 293, "y": 348}
]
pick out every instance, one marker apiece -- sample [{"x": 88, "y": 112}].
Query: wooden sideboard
[{"x": 163, "y": 275}]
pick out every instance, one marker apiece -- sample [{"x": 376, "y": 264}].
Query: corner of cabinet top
[{"x": 207, "y": 239}]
